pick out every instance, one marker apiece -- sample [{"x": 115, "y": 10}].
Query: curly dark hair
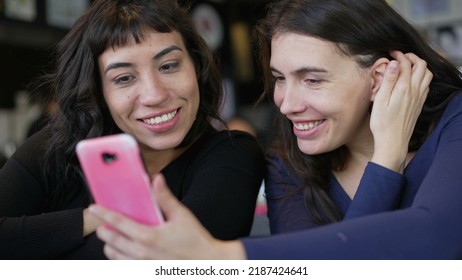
[{"x": 75, "y": 83}]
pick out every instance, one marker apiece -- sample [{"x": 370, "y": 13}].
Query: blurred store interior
[{"x": 29, "y": 30}]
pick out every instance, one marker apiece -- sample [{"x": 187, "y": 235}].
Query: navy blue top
[{"x": 392, "y": 216}]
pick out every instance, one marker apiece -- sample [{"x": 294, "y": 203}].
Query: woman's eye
[
  {"x": 313, "y": 81},
  {"x": 123, "y": 80},
  {"x": 278, "y": 79},
  {"x": 169, "y": 67}
]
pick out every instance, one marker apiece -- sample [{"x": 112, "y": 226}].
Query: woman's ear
[{"x": 377, "y": 73}]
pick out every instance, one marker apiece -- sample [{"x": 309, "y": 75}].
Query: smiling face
[
  {"x": 324, "y": 93},
  {"x": 151, "y": 89}
]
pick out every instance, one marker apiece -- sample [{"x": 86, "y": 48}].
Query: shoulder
[
  {"x": 448, "y": 128},
  {"x": 280, "y": 177},
  {"x": 231, "y": 140},
  {"x": 454, "y": 108},
  {"x": 232, "y": 135},
  {"x": 33, "y": 149},
  {"x": 278, "y": 168},
  {"x": 451, "y": 119},
  {"x": 26, "y": 166}
]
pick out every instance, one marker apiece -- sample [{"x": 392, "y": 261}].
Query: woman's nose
[
  {"x": 292, "y": 102},
  {"x": 153, "y": 91}
]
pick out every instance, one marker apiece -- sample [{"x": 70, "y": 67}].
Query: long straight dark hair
[
  {"x": 366, "y": 28},
  {"x": 75, "y": 84}
]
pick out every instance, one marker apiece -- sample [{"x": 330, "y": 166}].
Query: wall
[
  {"x": 27, "y": 36},
  {"x": 441, "y": 20},
  {"x": 429, "y": 13}
]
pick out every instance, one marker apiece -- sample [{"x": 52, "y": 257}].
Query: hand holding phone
[{"x": 116, "y": 176}]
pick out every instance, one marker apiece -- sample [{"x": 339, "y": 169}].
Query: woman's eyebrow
[
  {"x": 117, "y": 65},
  {"x": 308, "y": 70},
  {"x": 166, "y": 51},
  {"x": 156, "y": 57},
  {"x": 303, "y": 70}
]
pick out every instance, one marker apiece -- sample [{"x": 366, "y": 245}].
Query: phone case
[{"x": 117, "y": 178}]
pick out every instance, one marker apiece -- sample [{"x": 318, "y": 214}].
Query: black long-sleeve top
[{"x": 218, "y": 178}]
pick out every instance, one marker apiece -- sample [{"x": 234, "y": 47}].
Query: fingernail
[
  {"x": 393, "y": 66},
  {"x": 93, "y": 209}
]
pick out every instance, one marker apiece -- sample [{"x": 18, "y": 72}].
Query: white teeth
[
  {"x": 160, "y": 119},
  {"x": 307, "y": 126}
]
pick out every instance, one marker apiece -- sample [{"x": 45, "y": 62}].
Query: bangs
[
  {"x": 122, "y": 35},
  {"x": 124, "y": 26}
]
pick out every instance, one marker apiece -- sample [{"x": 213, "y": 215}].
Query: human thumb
[{"x": 167, "y": 202}]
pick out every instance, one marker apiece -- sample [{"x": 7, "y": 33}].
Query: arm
[
  {"x": 181, "y": 237},
  {"x": 284, "y": 195},
  {"x": 397, "y": 106},
  {"x": 379, "y": 190},
  {"x": 25, "y": 230},
  {"x": 224, "y": 186},
  {"x": 429, "y": 229}
]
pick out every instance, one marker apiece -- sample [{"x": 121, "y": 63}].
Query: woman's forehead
[
  {"x": 293, "y": 53},
  {"x": 287, "y": 45}
]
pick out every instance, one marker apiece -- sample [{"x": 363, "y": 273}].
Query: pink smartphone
[{"x": 116, "y": 176}]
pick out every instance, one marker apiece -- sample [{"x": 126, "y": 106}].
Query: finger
[
  {"x": 419, "y": 68},
  {"x": 388, "y": 82},
  {"x": 113, "y": 254},
  {"x": 168, "y": 203},
  {"x": 117, "y": 221},
  {"x": 427, "y": 79},
  {"x": 405, "y": 66},
  {"x": 424, "y": 86},
  {"x": 421, "y": 76},
  {"x": 120, "y": 246}
]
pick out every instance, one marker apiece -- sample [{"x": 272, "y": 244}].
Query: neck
[
  {"x": 155, "y": 161},
  {"x": 361, "y": 150}
]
